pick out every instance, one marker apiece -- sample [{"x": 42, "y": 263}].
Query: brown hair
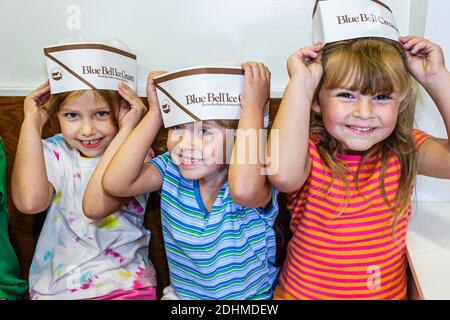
[
  {"x": 371, "y": 66},
  {"x": 228, "y": 124},
  {"x": 112, "y": 99}
]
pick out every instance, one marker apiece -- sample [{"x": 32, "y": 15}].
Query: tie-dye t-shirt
[{"x": 77, "y": 258}]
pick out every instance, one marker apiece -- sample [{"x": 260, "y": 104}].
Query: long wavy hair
[{"x": 371, "y": 66}]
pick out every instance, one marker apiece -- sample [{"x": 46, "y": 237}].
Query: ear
[{"x": 316, "y": 106}]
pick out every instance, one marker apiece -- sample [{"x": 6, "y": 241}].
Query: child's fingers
[
  {"x": 125, "y": 93},
  {"x": 150, "y": 80},
  {"x": 263, "y": 71},
  {"x": 412, "y": 42},
  {"x": 267, "y": 73},
  {"x": 406, "y": 38},
  {"x": 307, "y": 56},
  {"x": 40, "y": 95},
  {"x": 130, "y": 96},
  {"x": 248, "y": 71},
  {"x": 420, "y": 47},
  {"x": 259, "y": 70},
  {"x": 310, "y": 55},
  {"x": 41, "y": 90}
]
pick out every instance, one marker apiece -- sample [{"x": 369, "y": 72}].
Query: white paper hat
[
  {"x": 82, "y": 66},
  {"x": 201, "y": 93},
  {"x": 336, "y": 20}
]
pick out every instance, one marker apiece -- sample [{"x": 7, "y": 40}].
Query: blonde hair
[
  {"x": 371, "y": 66},
  {"x": 112, "y": 99}
]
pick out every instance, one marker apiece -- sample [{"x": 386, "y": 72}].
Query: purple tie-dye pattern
[
  {"x": 117, "y": 268},
  {"x": 73, "y": 217},
  {"x": 113, "y": 253},
  {"x": 135, "y": 206}
]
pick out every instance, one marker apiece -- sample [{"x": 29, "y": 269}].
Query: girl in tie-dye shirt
[{"x": 77, "y": 257}]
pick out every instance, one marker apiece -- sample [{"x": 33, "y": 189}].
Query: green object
[{"x": 11, "y": 286}]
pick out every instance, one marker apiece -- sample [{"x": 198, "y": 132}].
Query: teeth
[
  {"x": 90, "y": 141},
  {"x": 361, "y": 129},
  {"x": 190, "y": 160}
]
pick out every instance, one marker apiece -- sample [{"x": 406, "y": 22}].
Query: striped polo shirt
[
  {"x": 227, "y": 253},
  {"x": 349, "y": 252}
]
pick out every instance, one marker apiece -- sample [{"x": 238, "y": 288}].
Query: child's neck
[{"x": 210, "y": 187}]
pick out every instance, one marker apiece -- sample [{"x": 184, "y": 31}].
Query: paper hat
[
  {"x": 336, "y": 20},
  {"x": 201, "y": 93},
  {"x": 82, "y": 66}
]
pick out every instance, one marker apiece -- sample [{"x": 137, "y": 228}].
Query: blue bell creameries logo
[
  {"x": 56, "y": 74},
  {"x": 107, "y": 72},
  {"x": 215, "y": 99},
  {"x": 165, "y": 106},
  {"x": 364, "y": 17}
]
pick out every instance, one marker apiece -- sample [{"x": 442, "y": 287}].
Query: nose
[
  {"x": 185, "y": 140},
  {"x": 363, "y": 108},
  {"x": 87, "y": 128}
]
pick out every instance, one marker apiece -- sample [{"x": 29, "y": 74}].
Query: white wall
[
  {"x": 178, "y": 33},
  {"x": 437, "y": 29},
  {"x": 167, "y": 35}
]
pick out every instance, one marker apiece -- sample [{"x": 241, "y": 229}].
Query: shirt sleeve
[
  {"x": 53, "y": 162},
  {"x": 160, "y": 162},
  {"x": 419, "y": 137},
  {"x": 271, "y": 209}
]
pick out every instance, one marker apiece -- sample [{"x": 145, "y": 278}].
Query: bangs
[{"x": 369, "y": 66}]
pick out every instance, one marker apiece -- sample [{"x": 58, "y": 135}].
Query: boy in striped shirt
[{"x": 219, "y": 243}]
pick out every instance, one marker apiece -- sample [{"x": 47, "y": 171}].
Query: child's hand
[
  {"x": 33, "y": 105},
  {"x": 256, "y": 89},
  {"x": 306, "y": 64},
  {"x": 152, "y": 98},
  {"x": 132, "y": 109},
  {"x": 425, "y": 59}
]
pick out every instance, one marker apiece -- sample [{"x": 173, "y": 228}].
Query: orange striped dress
[{"x": 351, "y": 255}]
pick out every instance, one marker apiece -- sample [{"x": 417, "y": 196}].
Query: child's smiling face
[
  {"x": 199, "y": 148},
  {"x": 364, "y": 88},
  {"x": 87, "y": 124},
  {"x": 358, "y": 121}
]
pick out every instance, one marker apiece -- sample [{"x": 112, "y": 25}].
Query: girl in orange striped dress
[{"x": 348, "y": 159}]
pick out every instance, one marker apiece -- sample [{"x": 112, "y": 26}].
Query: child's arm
[
  {"x": 127, "y": 175},
  {"x": 249, "y": 186},
  {"x": 98, "y": 204},
  {"x": 426, "y": 63},
  {"x": 290, "y": 131},
  {"x": 31, "y": 190}
]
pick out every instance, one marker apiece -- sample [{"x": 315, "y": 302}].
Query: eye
[
  {"x": 176, "y": 128},
  {"x": 205, "y": 132},
  {"x": 382, "y": 97},
  {"x": 71, "y": 115},
  {"x": 345, "y": 95},
  {"x": 102, "y": 114}
]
